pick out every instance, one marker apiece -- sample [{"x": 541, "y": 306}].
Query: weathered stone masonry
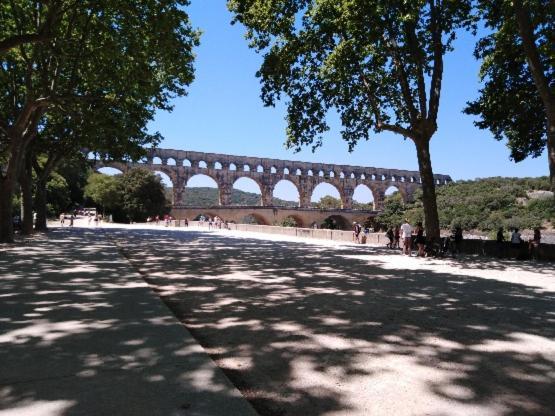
[{"x": 182, "y": 165}]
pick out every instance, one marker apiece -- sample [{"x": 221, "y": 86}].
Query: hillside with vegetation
[
  {"x": 482, "y": 204},
  {"x": 206, "y": 197}
]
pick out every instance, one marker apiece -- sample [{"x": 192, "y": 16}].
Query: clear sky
[{"x": 223, "y": 113}]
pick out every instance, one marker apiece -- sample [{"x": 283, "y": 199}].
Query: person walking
[
  {"x": 406, "y": 235},
  {"x": 390, "y": 236},
  {"x": 62, "y": 219},
  {"x": 420, "y": 240},
  {"x": 356, "y": 232},
  {"x": 397, "y": 237},
  {"x": 534, "y": 244},
  {"x": 500, "y": 242}
]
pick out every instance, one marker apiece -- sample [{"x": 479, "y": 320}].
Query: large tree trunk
[
  {"x": 40, "y": 206},
  {"x": 26, "y": 183},
  {"x": 551, "y": 151},
  {"x": 431, "y": 216},
  {"x": 6, "y": 220},
  {"x": 533, "y": 57}
]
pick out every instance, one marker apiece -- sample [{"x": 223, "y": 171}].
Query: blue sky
[{"x": 223, "y": 113}]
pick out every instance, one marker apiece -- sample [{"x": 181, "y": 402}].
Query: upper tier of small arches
[{"x": 217, "y": 161}]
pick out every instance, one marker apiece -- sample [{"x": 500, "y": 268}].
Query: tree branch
[
  {"x": 437, "y": 75},
  {"x": 417, "y": 52},
  {"x": 526, "y": 32}
]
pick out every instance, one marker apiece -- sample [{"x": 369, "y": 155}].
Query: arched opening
[
  {"x": 253, "y": 219},
  {"x": 156, "y": 161},
  {"x": 336, "y": 222},
  {"x": 362, "y": 176},
  {"x": 273, "y": 169},
  {"x": 391, "y": 190},
  {"x": 332, "y": 174},
  {"x": 373, "y": 177},
  {"x": 187, "y": 163},
  {"x": 260, "y": 169},
  {"x": 201, "y": 191},
  {"x": 246, "y": 192},
  {"x": 171, "y": 162},
  {"x": 341, "y": 175},
  {"x": 232, "y": 166},
  {"x": 286, "y": 171},
  {"x": 168, "y": 186},
  {"x": 363, "y": 198},
  {"x": 353, "y": 175},
  {"x": 202, "y": 164},
  {"x": 291, "y": 221},
  {"x": 321, "y": 173},
  {"x": 217, "y": 166},
  {"x": 298, "y": 172},
  {"x": 326, "y": 196},
  {"x": 109, "y": 171},
  {"x": 246, "y": 168},
  {"x": 285, "y": 194},
  {"x": 310, "y": 173}
]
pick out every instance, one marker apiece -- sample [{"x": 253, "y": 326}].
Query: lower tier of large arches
[{"x": 343, "y": 219}]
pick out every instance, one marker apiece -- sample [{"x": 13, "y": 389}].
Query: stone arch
[
  {"x": 273, "y": 169},
  {"x": 336, "y": 222},
  {"x": 187, "y": 163},
  {"x": 286, "y": 171},
  {"x": 285, "y": 190},
  {"x": 297, "y": 219},
  {"x": 171, "y": 162},
  {"x": 364, "y": 195},
  {"x": 217, "y": 166},
  {"x": 323, "y": 189},
  {"x": 298, "y": 172},
  {"x": 331, "y": 174},
  {"x": 246, "y": 168},
  {"x": 232, "y": 166},
  {"x": 202, "y": 164},
  {"x": 201, "y": 180},
  {"x": 260, "y": 220},
  {"x": 110, "y": 170},
  {"x": 166, "y": 177},
  {"x": 245, "y": 184},
  {"x": 310, "y": 173},
  {"x": 156, "y": 160},
  {"x": 260, "y": 169},
  {"x": 341, "y": 175}
]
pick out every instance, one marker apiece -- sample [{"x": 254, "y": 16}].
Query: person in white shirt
[{"x": 406, "y": 235}]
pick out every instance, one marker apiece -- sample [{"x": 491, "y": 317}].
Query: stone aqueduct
[{"x": 225, "y": 170}]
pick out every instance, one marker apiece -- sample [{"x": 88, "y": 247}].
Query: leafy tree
[
  {"x": 393, "y": 213},
  {"x": 142, "y": 194},
  {"x": 289, "y": 222},
  {"x": 58, "y": 195},
  {"x": 329, "y": 202},
  {"x": 98, "y": 51},
  {"x": 378, "y": 63},
  {"x": 105, "y": 190},
  {"x": 517, "y": 101}
]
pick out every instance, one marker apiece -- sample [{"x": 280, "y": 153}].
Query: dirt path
[{"x": 306, "y": 329}]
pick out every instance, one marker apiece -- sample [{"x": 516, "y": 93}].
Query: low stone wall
[{"x": 481, "y": 247}]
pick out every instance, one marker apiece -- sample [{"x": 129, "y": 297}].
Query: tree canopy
[
  {"x": 517, "y": 102},
  {"x": 119, "y": 59},
  {"x": 377, "y": 63}
]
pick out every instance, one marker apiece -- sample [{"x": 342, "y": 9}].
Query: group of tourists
[
  {"x": 69, "y": 219},
  {"x": 517, "y": 243},
  {"x": 213, "y": 223}
]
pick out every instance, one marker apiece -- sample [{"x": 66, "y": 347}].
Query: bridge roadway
[
  {"x": 304, "y": 217},
  {"x": 180, "y": 166}
]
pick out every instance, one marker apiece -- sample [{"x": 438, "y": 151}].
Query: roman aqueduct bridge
[{"x": 180, "y": 166}]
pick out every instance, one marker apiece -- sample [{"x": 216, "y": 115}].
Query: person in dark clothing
[
  {"x": 420, "y": 240},
  {"x": 500, "y": 242}
]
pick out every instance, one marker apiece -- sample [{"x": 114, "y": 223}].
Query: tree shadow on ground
[
  {"x": 305, "y": 329},
  {"x": 81, "y": 334}
]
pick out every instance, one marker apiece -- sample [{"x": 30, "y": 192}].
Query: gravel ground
[{"x": 321, "y": 328}]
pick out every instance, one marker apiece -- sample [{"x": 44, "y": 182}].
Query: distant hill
[
  {"x": 482, "y": 204},
  {"x": 205, "y": 197}
]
